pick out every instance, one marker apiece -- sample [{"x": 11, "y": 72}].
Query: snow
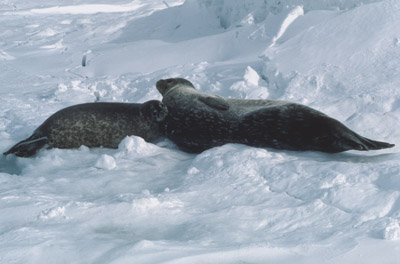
[
  {"x": 105, "y": 162},
  {"x": 80, "y": 9},
  {"x": 289, "y": 18},
  {"x": 152, "y": 203}
]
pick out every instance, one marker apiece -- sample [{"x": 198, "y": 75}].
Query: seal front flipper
[
  {"x": 215, "y": 102},
  {"x": 29, "y": 146}
]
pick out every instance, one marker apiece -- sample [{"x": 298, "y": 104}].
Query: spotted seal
[
  {"x": 95, "y": 125},
  {"x": 199, "y": 121}
]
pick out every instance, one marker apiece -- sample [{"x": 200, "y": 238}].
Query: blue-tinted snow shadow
[
  {"x": 349, "y": 157},
  {"x": 8, "y": 164}
]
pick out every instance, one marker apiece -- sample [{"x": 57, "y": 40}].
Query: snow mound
[
  {"x": 106, "y": 162},
  {"x": 135, "y": 146},
  {"x": 392, "y": 231},
  {"x": 152, "y": 203}
]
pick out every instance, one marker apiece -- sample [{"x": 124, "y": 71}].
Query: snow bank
[
  {"x": 239, "y": 12},
  {"x": 151, "y": 203}
]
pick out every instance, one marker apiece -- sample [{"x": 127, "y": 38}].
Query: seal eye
[{"x": 158, "y": 116}]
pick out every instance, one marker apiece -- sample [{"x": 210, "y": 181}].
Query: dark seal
[
  {"x": 197, "y": 122},
  {"x": 95, "y": 125}
]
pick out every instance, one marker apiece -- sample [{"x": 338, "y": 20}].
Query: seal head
[
  {"x": 155, "y": 110},
  {"x": 164, "y": 86}
]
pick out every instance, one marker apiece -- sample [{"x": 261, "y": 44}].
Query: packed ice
[{"x": 152, "y": 203}]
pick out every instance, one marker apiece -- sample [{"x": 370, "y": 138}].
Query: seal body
[
  {"x": 191, "y": 123},
  {"x": 199, "y": 121},
  {"x": 95, "y": 125}
]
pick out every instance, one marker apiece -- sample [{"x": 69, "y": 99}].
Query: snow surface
[{"x": 151, "y": 203}]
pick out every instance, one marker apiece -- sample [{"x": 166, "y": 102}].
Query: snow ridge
[{"x": 152, "y": 203}]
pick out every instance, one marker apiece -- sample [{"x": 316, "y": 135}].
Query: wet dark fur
[
  {"x": 95, "y": 125},
  {"x": 197, "y": 122}
]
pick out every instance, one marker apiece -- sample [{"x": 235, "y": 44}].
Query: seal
[
  {"x": 198, "y": 121},
  {"x": 195, "y": 121},
  {"x": 95, "y": 125}
]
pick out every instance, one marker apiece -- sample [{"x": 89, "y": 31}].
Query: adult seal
[
  {"x": 95, "y": 125},
  {"x": 198, "y": 121}
]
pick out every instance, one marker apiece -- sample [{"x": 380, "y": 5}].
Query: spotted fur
[{"x": 95, "y": 125}]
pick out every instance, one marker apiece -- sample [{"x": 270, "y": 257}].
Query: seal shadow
[
  {"x": 8, "y": 164},
  {"x": 347, "y": 157}
]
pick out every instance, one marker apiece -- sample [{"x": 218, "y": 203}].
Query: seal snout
[
  {"x": 162, "y": 113},
  {"x": 162, "y": 86}
]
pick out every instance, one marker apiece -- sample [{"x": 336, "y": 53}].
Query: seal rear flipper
[
  {"x": 215, "y": 102},
  {"x": 374, "y": 145},
  {"x": 357, "y": 142},
  {"x": 28, "y": 147}
]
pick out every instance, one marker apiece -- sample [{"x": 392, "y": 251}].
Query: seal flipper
[
  {"x": 29, "y": 146},
  {"x": 357, "y": 142},
  {"x": 215, "y": 102},
  {"x": 374, "y": 145}
]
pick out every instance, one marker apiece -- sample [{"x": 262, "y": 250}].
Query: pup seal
[
  {"x": 199, "y": 121},
  {"x": 95, "y": 125}
]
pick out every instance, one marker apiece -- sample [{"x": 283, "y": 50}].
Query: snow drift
[{"x": 151, "y": 203}]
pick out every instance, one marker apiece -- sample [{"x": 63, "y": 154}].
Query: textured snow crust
[{"x": 152, "y": 203}]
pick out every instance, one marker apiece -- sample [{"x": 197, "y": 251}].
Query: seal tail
[
  {"x": 357, "y": 142},
  {"x": 28, "y": 147}
]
